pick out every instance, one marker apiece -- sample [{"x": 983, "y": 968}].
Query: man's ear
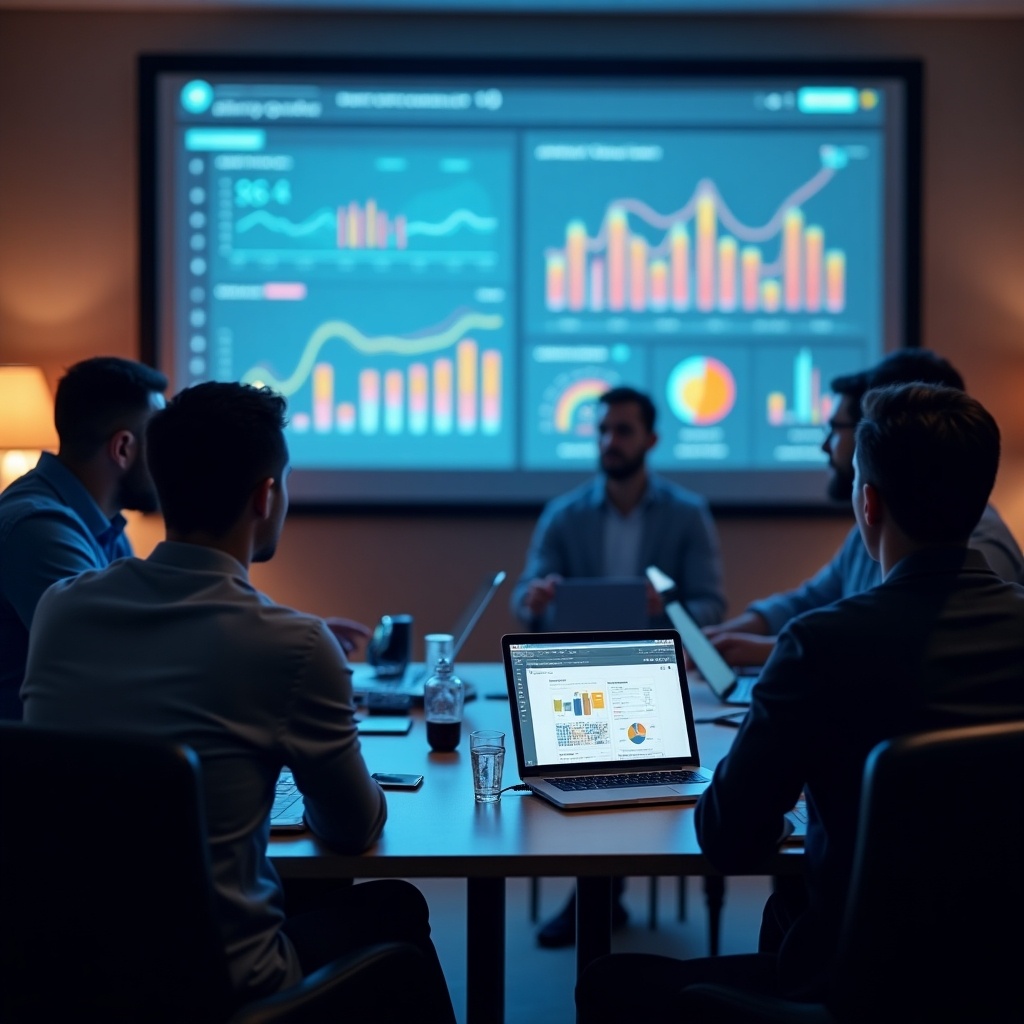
[
  {"x": 122, "y": 448},
  {"x": 653, "y": 440},
  {"x": 872, "y": 504},
  {"x": 263, "y": 498}
]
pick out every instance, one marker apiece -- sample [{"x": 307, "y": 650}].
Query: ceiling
[{"x": 937, "y": 8}]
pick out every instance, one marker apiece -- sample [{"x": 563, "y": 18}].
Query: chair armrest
[
  {"x": 388, "y": 969},
  {"x": 722, "y": 1004}
]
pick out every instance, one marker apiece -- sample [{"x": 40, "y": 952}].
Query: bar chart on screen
[
  {"x": 693, "y": 231},
  {"x": 399, "y": 394},
  {"x": 366, "y": 210}
]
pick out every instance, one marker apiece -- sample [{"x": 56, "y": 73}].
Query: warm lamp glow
[{"x": 26, "y": 420}]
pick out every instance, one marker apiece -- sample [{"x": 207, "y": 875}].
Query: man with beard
[
  {"x": 749, "y": 639},
  {"x": 617, "y": 525},
  {"x": 64, "y": 516},
  {"x": 623, "y": 521},
  {"x": 181, "y": 647}
]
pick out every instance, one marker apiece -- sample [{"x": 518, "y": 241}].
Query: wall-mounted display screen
[{"x": 442, "y": 265}]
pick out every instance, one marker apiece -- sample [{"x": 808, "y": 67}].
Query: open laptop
[
  {"x": 726, "y": 684},
  {"x": 603, "y": 719},
  {"x": 599, "y": 602},
  {"x": 365, "y": 681}
]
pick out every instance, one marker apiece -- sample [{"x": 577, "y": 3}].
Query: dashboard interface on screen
[
  {"x": 587, "y": 701},
  {"x": 443, "y": 266}
]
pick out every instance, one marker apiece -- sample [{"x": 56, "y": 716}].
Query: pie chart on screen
[{"x": 701, "y": 391}]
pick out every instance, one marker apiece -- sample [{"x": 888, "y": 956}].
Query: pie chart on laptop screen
[
  {"x": 701, "y": 391},
  {"x": 637, "y": 733}
]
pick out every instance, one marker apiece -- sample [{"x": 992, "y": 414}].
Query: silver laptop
[
  {"x": 365, "y": 681},
  {"x": 600, "y": 602},
  {"x": 603, "y": 719},
  {"x": 725, "y": 683}
]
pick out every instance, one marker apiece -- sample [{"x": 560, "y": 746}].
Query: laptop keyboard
[
  {"x": 287, "y": 800},
  {"x": 683, "y": 777}
]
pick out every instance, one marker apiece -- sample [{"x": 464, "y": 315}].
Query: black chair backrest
[
  {"x": 934, "y": 926},
  {"x": 106, "y": 901}
]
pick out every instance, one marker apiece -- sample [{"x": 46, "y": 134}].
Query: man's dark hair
[
  {"x": 96, "y": 396},
  {"x": 932, "y": 452},
  {"x": 624, "y": 395},
  {"x": 209, "y": 448},
  {"x": 903, "y": 367}
]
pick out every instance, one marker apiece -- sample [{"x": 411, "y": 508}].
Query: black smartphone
[{"x": 392, "y": 780}]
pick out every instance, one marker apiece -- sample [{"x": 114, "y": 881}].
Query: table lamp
[{"x": 26, "y": 420}]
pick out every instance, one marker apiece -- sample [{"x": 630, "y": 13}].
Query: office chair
[
  {"x": 106, "y": 898},
  {"x": 934, "y": 924}
]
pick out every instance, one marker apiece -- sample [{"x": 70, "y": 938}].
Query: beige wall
[{"x": 68, "y": 260}]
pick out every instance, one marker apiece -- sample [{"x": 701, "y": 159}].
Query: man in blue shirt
[
  {"x": 749, "y": 638},
  {"x": 622, "y": 521},
  {"x": 64, "y": 516}
]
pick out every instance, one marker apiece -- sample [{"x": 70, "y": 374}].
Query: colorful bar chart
[
  {"x": 461, "y": 396},
  {"x": 623, "y": 270},
  {"x": 363, "y": 226},
  {"x": 809, "y": 406},
  {"x": 581, "y": 705}
]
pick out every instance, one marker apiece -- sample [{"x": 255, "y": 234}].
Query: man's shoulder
[
  {"x": 29, "y": 502},
  {"x": 671, "y": 493},
  {"x": 586, "y": 495},
  {"x": 850, "y": 614}
]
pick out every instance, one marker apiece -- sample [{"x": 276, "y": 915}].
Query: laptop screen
[
  {"x": 598, "y": 698},
  {"x": 472, "y": 612}
]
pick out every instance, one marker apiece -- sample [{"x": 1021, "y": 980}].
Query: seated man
[
  {"x": 938, "y": 643},
  {"x": 617, "y": 525},
  {"x": 182, "y": 647},
  {"x": 64, "y": 516},
  {"x": 748, "y": 639},
  {"x": 623, "y": 521}
]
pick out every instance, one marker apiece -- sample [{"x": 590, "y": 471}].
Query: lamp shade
[{"x": 26, "y": 409}]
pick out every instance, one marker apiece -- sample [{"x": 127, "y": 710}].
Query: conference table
[{"x": 439, "y": 831}]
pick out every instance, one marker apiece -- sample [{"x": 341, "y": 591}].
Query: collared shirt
[
  {"x": 50, "y": 528},
  {"x": 181, "y": 647}
]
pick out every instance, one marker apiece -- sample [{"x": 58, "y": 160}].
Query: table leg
[
  {"x": 714, "y": 893},
  {"x": 593, "y": 920},
  {"x": 485, "y": 950}
]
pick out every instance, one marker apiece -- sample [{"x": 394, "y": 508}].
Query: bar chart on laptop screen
[{"x": 442, "y": 274}]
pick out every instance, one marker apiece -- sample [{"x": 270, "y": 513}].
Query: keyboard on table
[
  {"x": 288, "y": 806},
  {"x": 682, "y": 777},
  {"x": 798, "y": 819}
]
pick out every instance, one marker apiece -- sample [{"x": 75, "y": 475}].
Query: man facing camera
[
  {"x": 618, "y": 524},
  {"x": 939, "y": 643},
  {"x": 749, "y": 638},
  {"x": 623, "y": 521},
  {"x": 181, "y": 647},
  {"x": 64, "y": 516}
]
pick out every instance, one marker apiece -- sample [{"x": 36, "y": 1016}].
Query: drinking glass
[{"x": 487, "y": 752}]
